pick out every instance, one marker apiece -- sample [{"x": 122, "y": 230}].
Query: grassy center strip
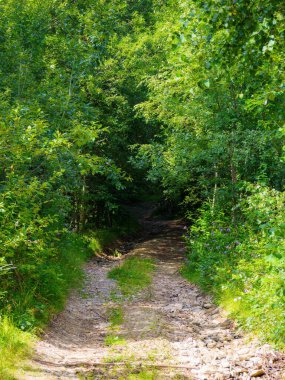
[
  {"x": 133, "y": 275},
  {"x": 116, "y": 319}
]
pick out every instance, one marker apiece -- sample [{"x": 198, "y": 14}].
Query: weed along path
[{"x": 139, "y": 319}]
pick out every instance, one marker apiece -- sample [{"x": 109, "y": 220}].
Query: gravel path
[{"x": 171, "y": 326}]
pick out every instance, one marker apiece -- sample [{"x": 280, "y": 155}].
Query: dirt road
[{"x": 169, "y": 331}]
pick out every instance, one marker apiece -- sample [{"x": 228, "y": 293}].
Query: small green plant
[
  {"x": 133, "y": 275},
  {"x": 116, "y": 253},
  {"x": 114, "y": 340},
  {"x": 144, "y": 375},
  {"x": 116, "y": 316}
]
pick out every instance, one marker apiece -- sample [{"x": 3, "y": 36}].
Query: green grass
[
  {"x": 41, "y": 295},
  {"x": 116, "y": 316},
  {"x": 147, "y": 374},
  {"x": 114, "y": 340},
  {"x": 190, "y": 274},
  {"x": 15, "y": 346},
  {"x": 127, "y": 373},
  {"x": 133, "y": 275},
  {"x": 143, "y": 375}
]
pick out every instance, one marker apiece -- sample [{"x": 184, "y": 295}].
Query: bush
[
  {"x": 243, "y": 263},
  {"x": 42, "y": 286}
]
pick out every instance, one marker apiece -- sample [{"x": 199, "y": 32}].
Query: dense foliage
[
  {"x": 95, "y": 93},
  {"x": 243, "y": 263}
]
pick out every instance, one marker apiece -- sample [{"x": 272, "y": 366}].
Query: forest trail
[{"x": 169, "y": 331}]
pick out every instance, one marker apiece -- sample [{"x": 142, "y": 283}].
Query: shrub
[{"x": 243, "y": 263}]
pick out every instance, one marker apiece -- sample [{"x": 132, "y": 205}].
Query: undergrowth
[
  {"x": 145, "y": 374},
  {"x": 242, "y": 263},
  {"x": 15, "y": 346},
  {"x": 27, "y": 306},
  {"x": 99, "y": 239},
  {"x": 33, "y": 299},
  {"x": 44, "y": 292}
]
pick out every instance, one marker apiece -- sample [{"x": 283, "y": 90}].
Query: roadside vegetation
[
  {"x": 242, "y": 264},
  {"x": 15, "y": 346}
]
